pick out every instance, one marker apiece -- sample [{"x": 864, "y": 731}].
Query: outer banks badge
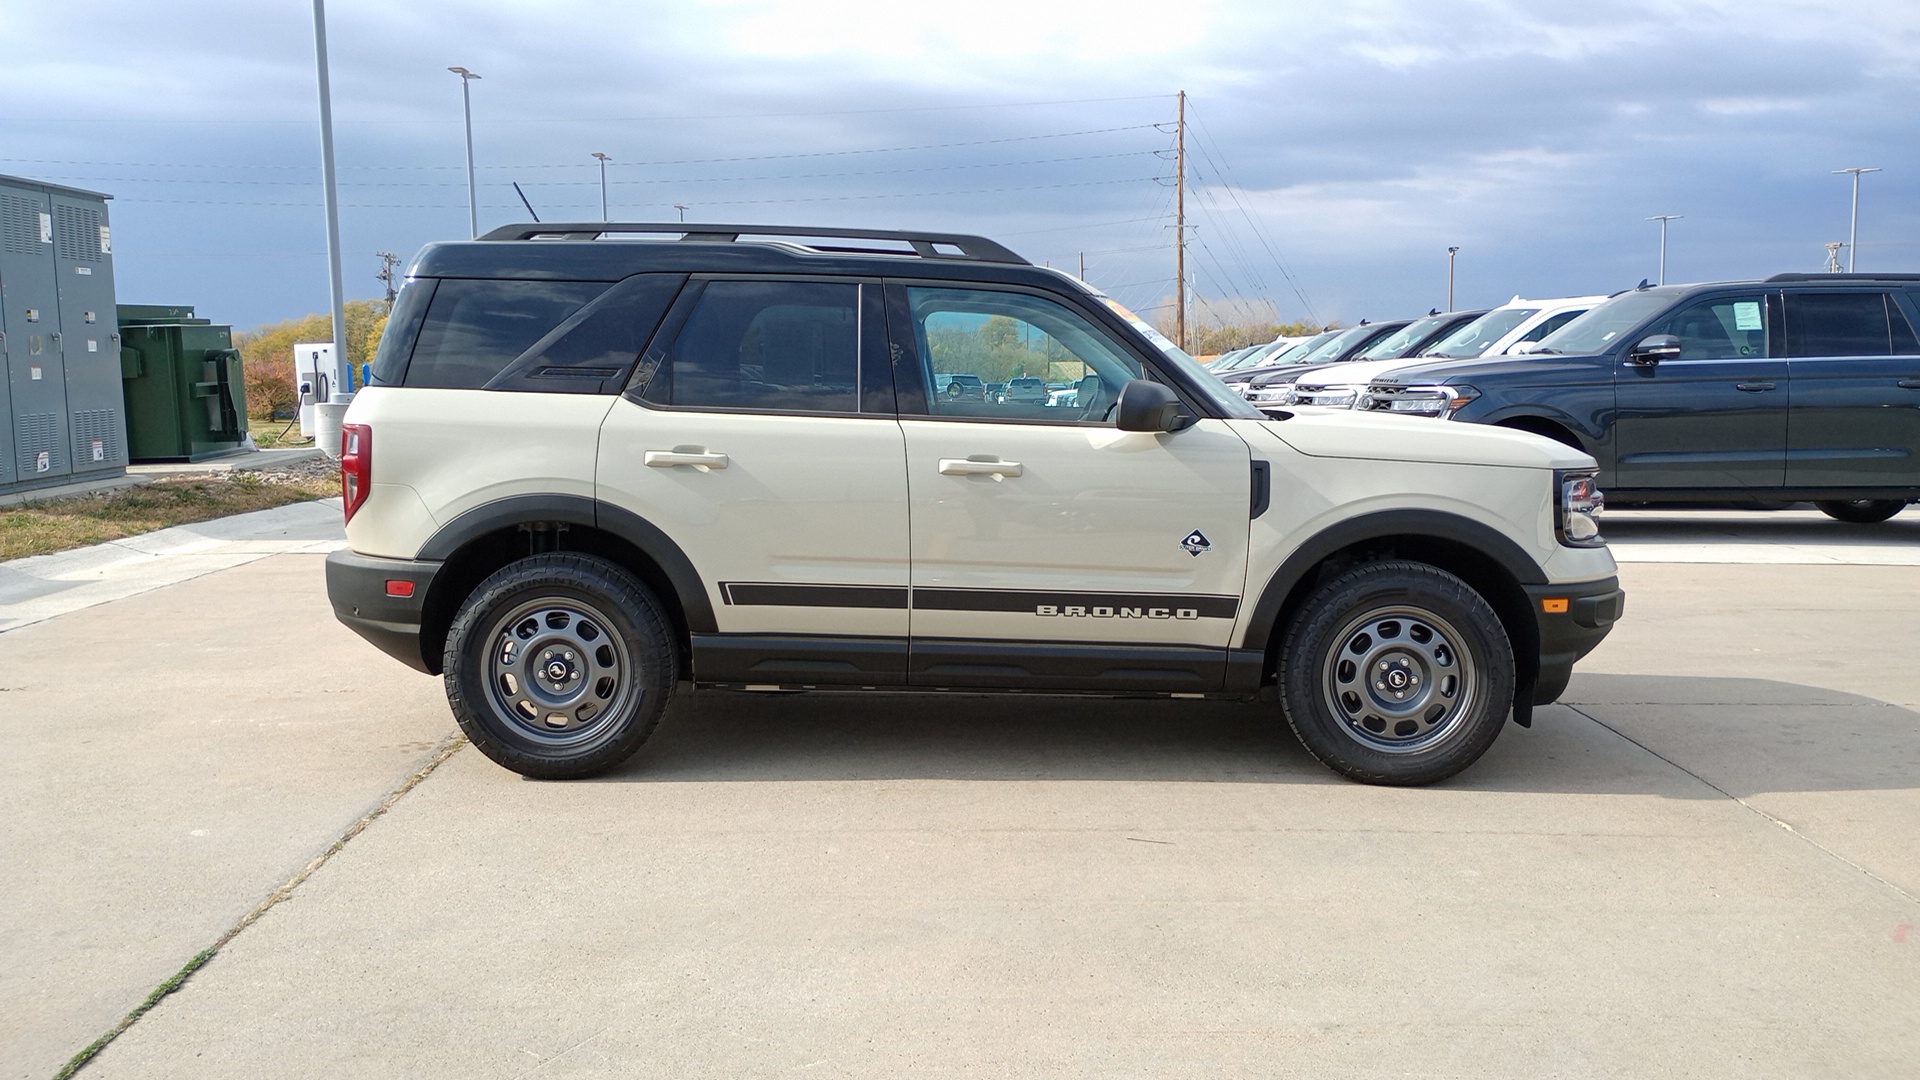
[{"x": 1196, "y": 542}]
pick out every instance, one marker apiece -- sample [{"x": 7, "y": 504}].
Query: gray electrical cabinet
[{"x": 62, "y": 413}]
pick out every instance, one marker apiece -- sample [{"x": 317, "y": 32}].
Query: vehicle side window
[
  {"x": 475, "y": 328},
  {"x": 1724, "y": 328},
  {"x": 1056, "y": 365},
  {"x": 1838, "y": 324},
  {"x": 784, "y": 346},
  {"x": 1904, "y": 342},
  {"x": 594, "y": 349},
  {"x": 1550, "y": 324}
]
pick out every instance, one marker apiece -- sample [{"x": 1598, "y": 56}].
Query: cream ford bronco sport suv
[{"x": 600, "y": 461}]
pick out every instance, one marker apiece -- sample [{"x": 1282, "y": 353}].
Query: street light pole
[
  {"x": 338, "y": 280},
  {"x": 466, "y": 109},
  {"x": 1663, "y": 219},
  {"x": 603, "y": 183},
  {"x": 1853, "y": 232},
  {"x": 1451, "y": 252},
  {"x": 682, "y": 207}
]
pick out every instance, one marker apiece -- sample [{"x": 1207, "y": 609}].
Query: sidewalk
[{"x": 44, "y": 586}]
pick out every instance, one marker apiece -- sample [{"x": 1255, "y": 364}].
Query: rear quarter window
[{"x": 474, "y": 328}]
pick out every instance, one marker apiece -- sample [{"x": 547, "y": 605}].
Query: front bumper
[
  {"x": 1573, "y": 619},
  {"x": 358, "y": 587}
]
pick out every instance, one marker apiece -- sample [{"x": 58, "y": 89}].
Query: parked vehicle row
[{"x": 1801, "y": 387}]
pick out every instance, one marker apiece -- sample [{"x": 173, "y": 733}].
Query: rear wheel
[
  {"x": 1396, "y": 673},
  {"x": 1861, "y": 511},
  {"x": 559, "y": 666}
]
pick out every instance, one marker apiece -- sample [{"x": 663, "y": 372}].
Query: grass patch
[
  {"x": 268, "y": 433},
  {"x": 60, "y": 524}
]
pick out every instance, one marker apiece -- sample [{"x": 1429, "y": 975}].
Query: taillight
[{"x": 356, "y": 465}]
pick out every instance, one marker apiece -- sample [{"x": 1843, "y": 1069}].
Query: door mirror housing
[
  {"x": 1653, "y": 349},
  {"x": 1147, "y": 406}
]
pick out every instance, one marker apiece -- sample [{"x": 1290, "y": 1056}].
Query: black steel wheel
[
  {"x": 1396, "y": 673},
  {"x": 1861, "y": 511},
  {"x": 559, "y": 666}
]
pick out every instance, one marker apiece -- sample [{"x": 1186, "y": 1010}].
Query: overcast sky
[{"x": 1335, "y": 152}]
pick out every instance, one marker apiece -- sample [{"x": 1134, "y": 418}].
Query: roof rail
[
  {"x": 927, "y": 245},
  {"x": 1844, "y": 277}
]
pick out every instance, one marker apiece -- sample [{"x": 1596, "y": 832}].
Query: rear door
[
  {"x": 1716, "y": 416},
  {"x": 1854, "y": 414},
  {"x": 1051, "y": 549},
  {"x": 759, "y": 434}
]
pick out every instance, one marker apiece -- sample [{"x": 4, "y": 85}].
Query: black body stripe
[
  {"x": 749, "y": 594},
  {"x": 834, "y": 596}
]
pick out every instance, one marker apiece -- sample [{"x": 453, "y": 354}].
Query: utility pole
[
  {"x": 1083, "y": 266},
  {"x": 388, "y": 261},
  {"x": 466, "y": 110},
  {"x": 1663, "y": 219},
  {"x": 1180, "y": 229},
  {"x": 1833, "y": 256},
  {"x": 1451, "y": 252},
  {"x": 1853, "y": 233},
  {"x": 603, "y": 183},
  {"x": 682, "y": 207},
  {"x": 336, "y": 275}
]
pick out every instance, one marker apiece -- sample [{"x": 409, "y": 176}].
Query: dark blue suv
[{"x": 1802, "y": 387}]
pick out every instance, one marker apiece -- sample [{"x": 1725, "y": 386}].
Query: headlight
[
  {"x": 1417, "y": 400},
  {"x": 1578, "y": 504}
]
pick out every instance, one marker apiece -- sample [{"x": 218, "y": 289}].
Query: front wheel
[
  {"x": 1861, "y": 511},
  {"x": 559, "y": 666},
  {"x": 1396, "y": 673}
]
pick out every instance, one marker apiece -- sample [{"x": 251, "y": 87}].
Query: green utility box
[{"x": 186, "y": 397}]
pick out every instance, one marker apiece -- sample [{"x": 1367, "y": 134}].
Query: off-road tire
[
  {"x": 1366, "y": 662},
  {"x": 1861, "y": 511},
  {"x": 601, "y": 629}
]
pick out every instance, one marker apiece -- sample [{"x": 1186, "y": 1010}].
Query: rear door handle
[
  {"x": 1910, "y": 384},
  {"x": 700, "y": 459},
  {"x": 978, "y": 467},
  {"x": 1753, "y": 387}
]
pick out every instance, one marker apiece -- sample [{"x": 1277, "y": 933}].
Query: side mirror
[
  {"x": 1147, "y": 406},
  {"x": 1652, "y": 350}
]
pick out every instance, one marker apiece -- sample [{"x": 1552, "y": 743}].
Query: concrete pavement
[{"x": 1701, "y": 864}]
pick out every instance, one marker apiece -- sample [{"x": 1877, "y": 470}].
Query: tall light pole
[
  {"x": 338, "y": 280},
  {"x": 466, "y": 109},
  {"x": 1451, "y": 252},
  {"x": 682, "y": 207},
  {"x": 603, "y": 183},
  {"x": 1853, "y": 233},
  {"x": 1663, "y": 219}
]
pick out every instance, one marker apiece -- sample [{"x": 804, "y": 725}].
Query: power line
[{"x": 600, "y": 120}]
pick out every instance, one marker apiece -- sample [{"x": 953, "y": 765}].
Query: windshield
[
  {"x": 1334, "y": 345},
  {"x": 1479, "y": 335},
  {"x": 1292, "y": 353},
  {"x": 1254, "y": 357},
  {"x": 1600, "y": 328},
  {"x": 1394, "y": 345},
  {"x": 1198, "y": 379}
]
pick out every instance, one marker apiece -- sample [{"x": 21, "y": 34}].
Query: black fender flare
[
  {"x": 689, "y": 589},
  {"x": 1430, "y": 524}
]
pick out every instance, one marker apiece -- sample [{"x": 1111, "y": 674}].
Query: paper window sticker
[{"x": 1746, "y": 315}]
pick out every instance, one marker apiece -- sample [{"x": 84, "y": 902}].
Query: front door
[
  {"x": 1049, "y": 547},
  {"x": 765, "y": 447},
  {"x": 1715, "y": 417}
]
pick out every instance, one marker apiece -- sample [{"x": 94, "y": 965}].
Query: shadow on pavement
[{"x": 1741, "y": 735}]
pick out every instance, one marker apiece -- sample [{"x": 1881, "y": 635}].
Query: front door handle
[
  {"x": 1753, "y": 387},
  {"x": 1910, "y": 384},
  {"x": 697, "y": 457},
  {"x": 978, "y": 467}
]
